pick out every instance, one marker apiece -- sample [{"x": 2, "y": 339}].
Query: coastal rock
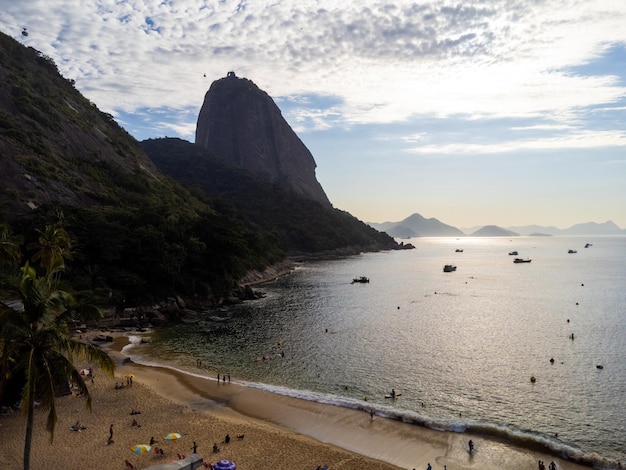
[{"x": 241, "y": 124}]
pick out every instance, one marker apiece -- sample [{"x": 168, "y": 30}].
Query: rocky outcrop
[{"x": 241, "y": 124}]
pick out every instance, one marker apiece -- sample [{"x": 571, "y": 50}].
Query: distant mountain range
[{"x": 417, "y": 226}]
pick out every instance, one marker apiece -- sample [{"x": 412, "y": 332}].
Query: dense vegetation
[
  {"x": 37, "y": 348},
  {"x": 138, "y": 235},
  {"x": 124, "y": 256},
  {"x": 302, "y": 226}
]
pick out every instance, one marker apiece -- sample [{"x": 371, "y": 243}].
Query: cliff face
[
  {"x": 56, "y": 146},
  {"x": 241, "y": 124}
]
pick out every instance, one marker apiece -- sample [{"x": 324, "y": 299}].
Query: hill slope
[
  {"x": 56, "y": 146},
  {"x": 138, "y": 235},
  {"x": 304, "y": 227}
]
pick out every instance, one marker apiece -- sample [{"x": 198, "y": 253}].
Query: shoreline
[
  {"x": 400, "y": 444},
  {"x": 280, "y": 432}
]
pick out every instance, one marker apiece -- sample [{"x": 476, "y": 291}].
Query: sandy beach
[{"x": 278, "y": 432}]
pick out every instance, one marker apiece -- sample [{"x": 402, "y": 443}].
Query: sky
[{"x": 504, "y": 112}]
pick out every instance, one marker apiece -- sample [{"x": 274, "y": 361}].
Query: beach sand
[{"x": 279, "y": 432}]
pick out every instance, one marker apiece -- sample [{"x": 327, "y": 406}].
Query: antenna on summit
[
  {"x": 231, "y": 74},
  {"x": 24, "y": 32}
]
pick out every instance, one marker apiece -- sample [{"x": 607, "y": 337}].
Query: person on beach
[
  {"x": 152, "y": 441},
  {"x": 110, "y": 440},
  {"x": 227, "y": 438},
  {"x": 218, "y": 378},
  {"x": 393, "y": 393},
  {"x": 429, "y": 467},
  {"x": 216, "y": 449},
  {"x": 195, "y": 447},
  {"x": 471, "y": 446},
  {"x": 552, "y": 466}
]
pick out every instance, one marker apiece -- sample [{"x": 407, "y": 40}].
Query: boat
[
  {"x": 458, "y": 250},
  {"x": 587, "y": 245},
  {"x": 522, "y": 260},
  {"x": 572, "y": 251},
  {"x": 513, "y": 253},
  {"x": 362, "y": 280},
  {"x": 448, "y": 268}
]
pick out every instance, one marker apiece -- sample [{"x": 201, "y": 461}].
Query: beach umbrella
[
  {"x": 141, "y": 449},
  {"x": 172, "y": 436},
  {"x": 225, "y": 465},
  {"x": 129, "y": 376}
]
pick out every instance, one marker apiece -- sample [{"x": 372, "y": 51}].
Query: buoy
[{"x": 533, "y": 379}]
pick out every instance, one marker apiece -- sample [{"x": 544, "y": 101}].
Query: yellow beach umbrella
[
  {"x": 172, "y": 436},
  {"x": 141, "y": 449}
]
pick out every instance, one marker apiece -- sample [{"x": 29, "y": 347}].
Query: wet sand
[{"x": 279, "y": 432}]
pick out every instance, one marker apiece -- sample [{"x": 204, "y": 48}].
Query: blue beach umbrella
[
  {"x": 172, "y": 436},
  {"x": 225, "y": 465}
]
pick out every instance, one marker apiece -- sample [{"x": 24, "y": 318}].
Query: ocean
[{"x": 459, "y": 348}]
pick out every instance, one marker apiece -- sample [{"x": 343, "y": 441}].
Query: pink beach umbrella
[{"x": 225, "y": 465}]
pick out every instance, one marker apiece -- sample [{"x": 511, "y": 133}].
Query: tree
[{"x": 37, "y": 342}]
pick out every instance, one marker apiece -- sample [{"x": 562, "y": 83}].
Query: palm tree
[{"x": 37, "y": 341}]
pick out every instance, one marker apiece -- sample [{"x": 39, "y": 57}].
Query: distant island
[{"x": 417, "y": 226}]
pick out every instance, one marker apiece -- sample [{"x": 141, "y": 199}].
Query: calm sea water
[{"x": 459, "y": 347}]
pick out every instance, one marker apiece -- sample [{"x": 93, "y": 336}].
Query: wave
[
  {"x": 523, "y": 438},
  {"x": 526, "y": 439}
]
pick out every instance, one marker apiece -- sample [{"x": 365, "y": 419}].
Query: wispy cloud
[
  {"x": 577, "y": 140},
  {"x": 387, "y": 61}
]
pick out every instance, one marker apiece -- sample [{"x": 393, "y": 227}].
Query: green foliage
[
  {"x": 37, "y": 349},
  {"x": 142, "y": 254},
  {"x": 301, "y": 226}
]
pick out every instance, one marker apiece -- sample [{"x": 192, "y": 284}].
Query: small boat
[
  {"x": 448, "y": 268},
  {"x": 522, "y": 260},
  {"x": 587, "y": 245},
  {"x": 513, "y": 253},
  {"x": 362, "y": 280},
  {"x": 458, "y": 250},
  {"x": 572, "y": 251}
]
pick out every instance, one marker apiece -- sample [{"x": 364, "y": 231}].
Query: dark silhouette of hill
[
  {"x": 417, "y": 226},
  {"x": 303, "y": 226},
  {"x": 138, "y": 234}
]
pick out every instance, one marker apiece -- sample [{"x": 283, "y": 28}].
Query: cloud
[
  {"x": 385, "y": 61},
  {"x": 574, "y": 141}
]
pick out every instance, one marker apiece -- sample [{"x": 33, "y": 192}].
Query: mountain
[
  {"x": 494, "y": 231},
  {"x": 241, "y": 124},
  {"x": 588, "y": 228},
  {"x": 138, "y": 235},
  {"x": 593, "y": 228},
  {"x": 304, "y": 227},
  {"x": 56, "y": 146},
  {"x": 417, "y": 226}
]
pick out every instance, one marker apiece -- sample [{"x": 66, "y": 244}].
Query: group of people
[
  {"x": 224, "y": 377},
  {"x": 542, "y": 466}
]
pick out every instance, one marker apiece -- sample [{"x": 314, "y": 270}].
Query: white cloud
[
  {"x": 576, "y": 140},
  {"x": 386, "y": 61}
]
